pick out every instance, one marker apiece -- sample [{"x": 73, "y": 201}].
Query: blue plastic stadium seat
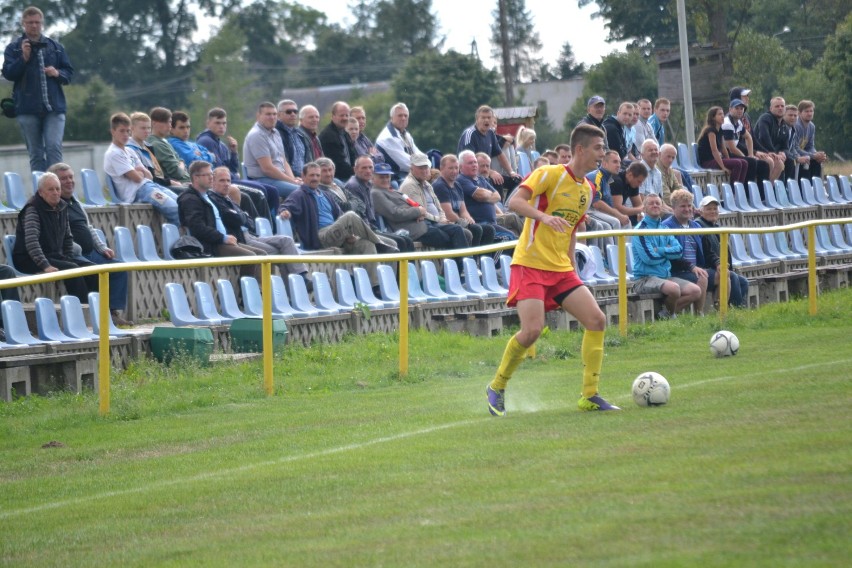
[
  {"x": 48, "y": 324},
  {"x": 73, "y": 321},
  {"x": 846, "y": 187},
  {"x": 345, "y": 289},
  {"x": 824, "y": 244},
  {"x": 837, "y": 238},
  {"x": 8, "y": 247},
  {"x": 94, "y": 307},
  {"x": 612, "y": 256},
  {"x": 146, "y": 245},
  {"x": 283, "y": 227},
  {"x": 262, "y": 227},
  {"x": 93, "y": 193},
  {"x": 300, "y": 300},
  {"x": 794, "y": 193},
  {"x": 798, "y": 242},
  {"x": 821, "y": 192},
  {"x": 741, "y": 198},
  {"x": 179, "y": 311},
  {"x": 489, "y": 275},
  {"x": 16, "y": 196},
  {"x": 452, "y": 281},
  {"x": 387, "y": 284},
  {"x": 36, "y": 176},
  {"x": 205, "y": 303},
  {"x": 602, "y": 275},
  {"x": 113, "y": 193},
  {"x": 281, "y": 303},
  {"x": 783, "y": 246},
  {"x": 124, "y": 245},
  {"x": 364, "y": 291},
  {"x": 697, "y": 195},
  {"x": 170, "y": 235},
  {"x": 505, "y": 269},
  {"x": 228, "y": 300},
  {"x": 15, "y": 324},
  {"x": 253, "y": 300},
  {"x": 755, "y": 247},
  {"x": 754, "y": 199},
  {"x": 323, "y": 295},
  {"x": 472, "y": 282},
  {"x": 432, "y": 283},
  {"x": 740, "y": 254},
  {"x": 808, "y": 194}
]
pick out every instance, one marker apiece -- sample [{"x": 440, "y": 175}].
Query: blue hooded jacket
[{"x": 652, "y": 254}]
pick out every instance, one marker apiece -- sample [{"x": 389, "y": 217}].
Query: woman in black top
[{"x": 712, "y": 153}]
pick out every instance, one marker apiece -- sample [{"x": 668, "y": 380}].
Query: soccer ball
[
  {"x": 724, "y": 344},
  {"x": 651, "y": 389}
]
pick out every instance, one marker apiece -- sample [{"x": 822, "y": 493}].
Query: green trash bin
[
  {"x": 170, "y": 342},
  {"x": 247, "y": 335}
]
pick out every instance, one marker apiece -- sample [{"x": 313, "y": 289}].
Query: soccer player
[{"x": 554, "y": 200}]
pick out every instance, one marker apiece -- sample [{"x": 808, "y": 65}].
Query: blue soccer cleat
[
  {"x": 496, "y": 401},
  {"x": 595, "y": 402}
]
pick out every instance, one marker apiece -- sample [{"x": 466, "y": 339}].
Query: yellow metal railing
[{"x": 266, "y": 262}]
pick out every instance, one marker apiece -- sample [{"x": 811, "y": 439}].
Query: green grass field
[{"x": 349, "y": 465}]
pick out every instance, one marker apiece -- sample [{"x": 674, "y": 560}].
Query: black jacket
[
  {"x": 199, "y": 219},
  {"x": 48, "y": 230},
  {"x": 233, "y": 217},
  {"x": 615, "y": 136},
  {"x": 339, "y": 148}
]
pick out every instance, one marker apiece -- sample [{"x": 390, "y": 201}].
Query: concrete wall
[{"x": 77, "y": 154}]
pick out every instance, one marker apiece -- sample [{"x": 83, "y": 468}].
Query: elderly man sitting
[
  {"x": 652, "y": 256},
  {"x": 43, "y": 240}
]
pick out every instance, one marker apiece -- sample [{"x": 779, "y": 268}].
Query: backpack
[{"x": 187, "y": 247}]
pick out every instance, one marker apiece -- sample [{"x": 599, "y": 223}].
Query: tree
[
  {"x": 567, "y": 66},
  {"x": 221, "y": 79},
  {"x": 521, "y": 42},
  {"x": 89, "y": 109},
  {"x": 442, "y": 92}
]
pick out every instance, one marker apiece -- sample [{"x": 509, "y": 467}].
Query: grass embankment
[{"x": 349, "y": 465}]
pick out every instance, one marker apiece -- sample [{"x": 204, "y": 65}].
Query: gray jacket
[{"x": 396, "y": 211}]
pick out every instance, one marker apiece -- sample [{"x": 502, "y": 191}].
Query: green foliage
[
  {"x": 89, "y": 108},
  {"x": 222, "y": 79},
  {"x": 637, "y": 78},
  {"x": 836, "y": 124},
  {"x": 760, "y": 62},
  {"x": 442, "y": 92}
]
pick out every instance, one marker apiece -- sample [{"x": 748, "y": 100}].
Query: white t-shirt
[{"x": 117, "y": 162}]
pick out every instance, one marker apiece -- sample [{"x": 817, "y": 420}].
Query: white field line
[{"x": 339, "y": 449}]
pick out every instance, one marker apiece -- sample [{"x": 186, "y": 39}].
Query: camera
[{"x": 36, "y": 45}]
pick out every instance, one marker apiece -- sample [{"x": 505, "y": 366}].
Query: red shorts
[{"x": 527, "y": 283}]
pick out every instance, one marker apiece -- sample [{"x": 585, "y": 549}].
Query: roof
[{"x": 514, "y": 113}]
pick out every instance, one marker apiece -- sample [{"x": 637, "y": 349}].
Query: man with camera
[{"x": 39, "y": 67}]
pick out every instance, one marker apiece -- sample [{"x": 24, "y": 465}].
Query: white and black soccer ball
[
  {"x": 724, "y": 344},
  {"x": 651, "y": 389}
]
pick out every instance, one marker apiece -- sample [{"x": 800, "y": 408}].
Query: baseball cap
[
  {"x": 597, "y": 99},
  {"x": 418, "y": 159},
  {"x": 739, "y": 93},
  {"x": 736, "y": 103},
  {"x": 383, "y": 169},
  {"x": 708, "y": 199}
]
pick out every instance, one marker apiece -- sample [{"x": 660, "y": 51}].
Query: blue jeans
[
  {"x": 168, "y": 208},
  {"x": 43, "y": 136},
  {"x": 117, "y": 281},
  {"x": 284, "y": 188},
  {"x": 737, "y": 291}
]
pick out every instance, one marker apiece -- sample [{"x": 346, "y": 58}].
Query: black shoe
[{"x": 309, "y": 284}]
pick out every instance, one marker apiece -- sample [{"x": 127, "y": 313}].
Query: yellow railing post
[
  {"x": 403, "y": 318},
  {"x": 103, "y": 344},
  {"x": 812, "y": 275},
  {"x": 622, "y": 285},
  {"x": 266, "y": 290},
  {"x": 723, "y": 276}
]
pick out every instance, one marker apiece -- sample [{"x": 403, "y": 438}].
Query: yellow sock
[
  {"x": 531, "y": 351},
  {"x": 592, "y": 353},
  {"x": 512, "y": 357}
]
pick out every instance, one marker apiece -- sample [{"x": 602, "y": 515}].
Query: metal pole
[
  {"x": 684, "y": 71},
  {"x": 403, "y": 318},
  {"x": 103, "y": 344},
  {"x": 723, "y": 276},
  {"x": 622, "y": 286},
  {"x": 812, "y": 275},
  {"x": 266, "y": 292}
]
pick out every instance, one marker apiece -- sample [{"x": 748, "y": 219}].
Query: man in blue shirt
[{"x": 689, "y": 266}]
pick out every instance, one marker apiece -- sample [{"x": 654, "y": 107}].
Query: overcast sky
[{"x": 463, "y": 20}]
